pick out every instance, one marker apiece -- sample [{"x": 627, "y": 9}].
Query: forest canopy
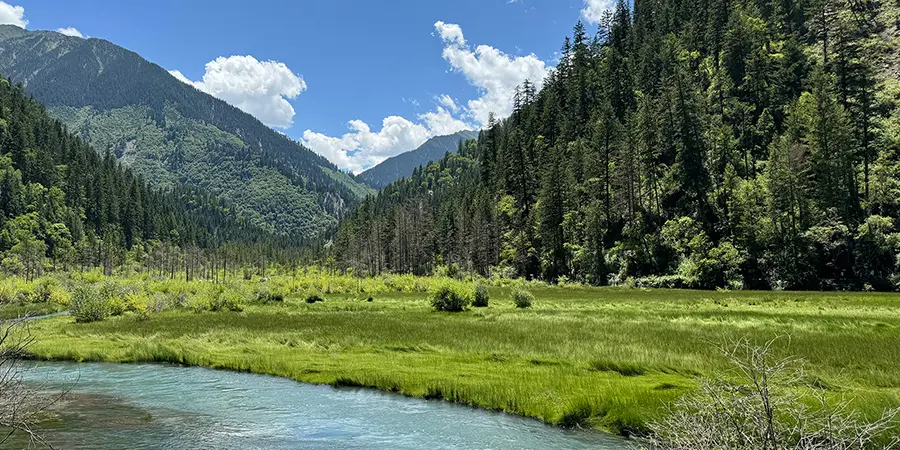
[
  {"x": 687, "y": 143},
  {"x": 64, "y": 205}
]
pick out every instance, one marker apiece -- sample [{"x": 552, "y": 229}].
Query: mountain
[
  {"x": 63, "y": 204},
  {"x": 403, "y": 165},
  {"x": 171, "y": 133},
  {"x": 737, "y": 144}
]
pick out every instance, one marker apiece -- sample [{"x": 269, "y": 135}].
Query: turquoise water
[{"x": 144, "y": 406}]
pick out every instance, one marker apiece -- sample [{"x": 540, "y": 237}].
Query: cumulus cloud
[
  {"x": 362, "y": 148},
  {"x": 12, "y": 15},
  {"x": 450, "y": 32},
  {"x": 493, "y": 72},
  {"x": 594, "y": 10},
  {"x": 441, "y": 123},
  {"x": 259, "y": 88},
  {"x": 70, "y": 31}
]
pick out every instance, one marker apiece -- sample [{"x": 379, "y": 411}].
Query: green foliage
[
  {"x": 740, "y": 148},
  {"x": 613, "y": 358},
  {"x": 65, "y": 205},
  {"x": 172, "y": 134},
  {"x": 88, "y": 305},
  {"x": 404, "y": 164},
  {"x": 481, "y": 296},
  {"x": 113, "y": 294},
  {"x": 268, "y": 292},
  {"x": 522, "y": 298},
  {"x": 451, "y": 297}
]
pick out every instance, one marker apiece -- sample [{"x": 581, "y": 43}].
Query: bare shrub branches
[
  {"x": 766, "y": 403},
  {"x": 19, "y": 404}
]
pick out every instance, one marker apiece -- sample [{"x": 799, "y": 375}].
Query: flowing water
[{"x": 143, "y": 406}]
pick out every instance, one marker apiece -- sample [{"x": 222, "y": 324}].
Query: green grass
[
  {"x": 17, "y": 310},
  {"x": 607, "y": 358}
]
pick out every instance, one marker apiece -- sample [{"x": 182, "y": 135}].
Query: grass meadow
[{"x": 606, "y": 358}]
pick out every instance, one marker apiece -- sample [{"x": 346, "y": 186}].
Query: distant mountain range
[
  {"x": 171, "y": 133},
  {"x": 403, "y": 165}
]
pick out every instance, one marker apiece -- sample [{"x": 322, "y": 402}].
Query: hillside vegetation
[
  {"x": 65, "y": 206},
  {"x": 704, "y": 144},
  {"x": 171, "y": 133},
  {"x": 404, "y": 164}
]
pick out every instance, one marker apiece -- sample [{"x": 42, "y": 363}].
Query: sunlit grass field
[{"x": 597, "y": 357}]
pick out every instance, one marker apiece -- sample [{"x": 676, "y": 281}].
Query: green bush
[
  {"x": 218, "y": 298},
  {"x": 482, "y": 297},
  {"x": 227, "y": 300},
  {"x": 112, "y": 294},
  {"x": 270, "y": 293},
  {"x": 522, "y": 298},
  {"x": 87, "y": 305},
  {"x": 44, "y": 289},
  {"x": 450, "y": 298}
]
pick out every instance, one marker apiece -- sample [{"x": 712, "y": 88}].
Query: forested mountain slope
[
  {"x": 695, "y": 143},
  {"x": 63, "y": 204},
  {"x": 403, "y": 165},
  {"x": 172, "y": 133}
]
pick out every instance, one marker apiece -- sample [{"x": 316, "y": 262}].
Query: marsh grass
[{"x": 604, "y": 358}]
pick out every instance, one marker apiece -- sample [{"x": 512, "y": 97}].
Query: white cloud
[
  {"x": 180, "y": 76},
  {"x": 362, "y": 148},
  {"x": 70, "y": 31},
  {"x": 450, "y": 32},
  {"x": 442, "y": 123},
  {"x": 493, "y": 72},
  {"x": 12, "y": 15},
  {"x": 448, "y": 101},
  {"x": 594, "y": 10},
  {"x": 259, "y": 88}
]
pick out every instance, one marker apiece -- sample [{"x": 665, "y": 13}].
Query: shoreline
[{"x": 340, "y": 386}]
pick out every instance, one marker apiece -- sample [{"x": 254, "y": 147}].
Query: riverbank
[
  {"x": 161, "y": 406},
  {"x": 610, "y": 359}
]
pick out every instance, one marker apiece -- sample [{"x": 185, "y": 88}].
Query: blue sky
[{"x": 357, "y": 81}]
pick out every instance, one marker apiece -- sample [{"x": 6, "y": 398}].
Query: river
[{"x": 147, "y": 406}]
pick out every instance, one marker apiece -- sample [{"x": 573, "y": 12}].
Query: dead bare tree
[
  {"x": 20, "y": 405},
  {"x": 767, "y": 403}
]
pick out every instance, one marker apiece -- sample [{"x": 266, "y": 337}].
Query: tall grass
[{"x": 607, "y": 358}]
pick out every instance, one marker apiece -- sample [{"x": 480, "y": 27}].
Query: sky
[{"x": 357, "y": 81}]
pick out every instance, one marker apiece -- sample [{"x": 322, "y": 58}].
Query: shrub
[
  {"x": 450, "y": 298},
  {"x": 136, "y": 302},
  {"x": 7, "y": 291},
  {"x": 44, "y": 290},
  {"x": 522, "y": 298},
  {"x": 24, "y": 293},
  {"x": 87, "y": 305},
  {"x": 481, "y": 297},
  {"x": 761, "y": 408},
  {"x": 112, "y": 294},
  {"x": 218, "y": 298},
  {"x": 226, "y": 300},
  {"x": 314, "y": 298},
  {"x": 270, "y": 293}
]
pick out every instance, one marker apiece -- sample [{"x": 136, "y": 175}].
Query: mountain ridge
[
  {"x": 403, "y": 165},
  {"x": 172, "y": 132}
]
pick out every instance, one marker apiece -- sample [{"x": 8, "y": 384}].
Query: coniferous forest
[
  {"x": 703, "y": 144},
  {"x": 66, "y": 207}
]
